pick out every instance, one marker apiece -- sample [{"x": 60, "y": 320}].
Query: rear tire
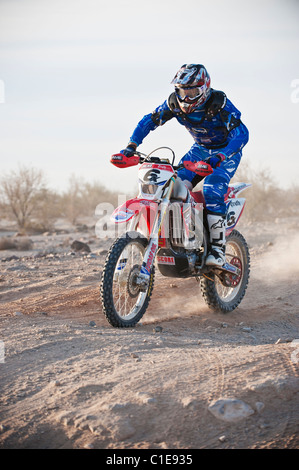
[
  {"x": 124, "y": 303},
  {"x": 218, "y": 296}
]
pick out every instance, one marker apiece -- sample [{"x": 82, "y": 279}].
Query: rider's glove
[
  {"x": 130, "y": 150},
  {"x": 216, "y": 160}
]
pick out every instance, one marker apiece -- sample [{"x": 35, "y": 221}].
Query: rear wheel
[
  {"x": 225, "y": 292},
  {"x": 124, "y": 300}
]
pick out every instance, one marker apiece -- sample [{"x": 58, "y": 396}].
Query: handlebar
[
  {"x": 143, "y": 158},
  {"x": 120, "y": 160}
]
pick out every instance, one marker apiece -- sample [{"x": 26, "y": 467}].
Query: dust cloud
[{"x": 280, "y": 260}]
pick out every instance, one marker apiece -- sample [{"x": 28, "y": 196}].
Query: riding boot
[{"x": 216, "y": 255}]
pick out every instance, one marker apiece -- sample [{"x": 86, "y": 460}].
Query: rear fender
[{"x": 235, "y": 189}]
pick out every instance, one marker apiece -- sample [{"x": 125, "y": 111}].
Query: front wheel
[
  {"x": 124, "y": 301},
  {"x": 225, "y": 294}
]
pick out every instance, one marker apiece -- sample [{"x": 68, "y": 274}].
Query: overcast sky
[{"x": 78, "y": 75}]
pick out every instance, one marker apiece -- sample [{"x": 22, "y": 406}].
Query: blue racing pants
[{"x": 215, "y": 185}]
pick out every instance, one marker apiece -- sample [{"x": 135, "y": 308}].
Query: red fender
[{"x": 132, "y": 207}]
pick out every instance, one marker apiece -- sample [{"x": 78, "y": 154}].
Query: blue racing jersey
[{"x": 216, "y": 125}]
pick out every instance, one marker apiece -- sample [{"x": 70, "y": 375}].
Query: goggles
[{"x": 189, "y": 95}]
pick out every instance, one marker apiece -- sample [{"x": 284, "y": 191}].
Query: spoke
[
  {"x": 229, "y": 293},
  {"x": 124, "y": 303}
]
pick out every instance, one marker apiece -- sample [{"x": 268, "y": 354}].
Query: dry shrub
[
  {"x": 24, "y": 244},
  {"x": 20, "y": 244},
  {"x": 7, "y": 244},
  {"x": 81, "y": 198},
  {"x": 19, "y": 190},
  {"x": 25, "y": 196},
  {"x": 265, "y": 200}
]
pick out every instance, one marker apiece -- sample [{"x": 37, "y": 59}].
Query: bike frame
[{"x": 153, "y": 211}]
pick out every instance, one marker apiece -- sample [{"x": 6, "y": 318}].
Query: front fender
[{"x": 131, "y": 208}]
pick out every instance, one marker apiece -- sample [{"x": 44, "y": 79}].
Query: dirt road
[{"x": 200, "y": 380}]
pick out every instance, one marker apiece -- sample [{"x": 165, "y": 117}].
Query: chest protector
[{"x": 214, "y": 106}]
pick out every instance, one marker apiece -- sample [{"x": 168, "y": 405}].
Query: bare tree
[
  {"x": 20, "y": 189},
  {"x": 72, "y": 199}
]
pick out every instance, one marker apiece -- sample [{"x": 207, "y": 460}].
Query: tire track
[{"x": 290, "y": 435}]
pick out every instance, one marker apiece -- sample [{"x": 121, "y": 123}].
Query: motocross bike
[{"x": 165, "y": 225}]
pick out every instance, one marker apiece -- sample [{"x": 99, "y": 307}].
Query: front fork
[{"x": 150, "y": 253}]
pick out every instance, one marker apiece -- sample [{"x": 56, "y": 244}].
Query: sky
[{"x": 76, "y": 76}]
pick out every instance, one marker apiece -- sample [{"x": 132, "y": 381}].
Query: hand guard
[
  {"x": 200, "y": 168},
  {"x": 122, "y": 161}
]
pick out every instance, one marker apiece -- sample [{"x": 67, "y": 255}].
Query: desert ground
[{"x": 184, "y": 378}]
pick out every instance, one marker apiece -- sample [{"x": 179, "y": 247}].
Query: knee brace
[{"x": 214, "y": 189}]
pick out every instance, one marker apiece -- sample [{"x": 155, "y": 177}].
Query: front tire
[
  {"x": 124, "y": 303},
  {"x": 217, "y": 295}
]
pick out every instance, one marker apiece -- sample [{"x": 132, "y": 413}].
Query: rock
[
  {"x": 189, "y": 402},
  {"x": 11, "y": 258},
  {"x": 88, "y": 446},
  {"x": 80, "y": 246},
  {"x": 135, "y": 356},
  {"x": 145, "y": 398},
  {"x": 230, "y": 409},
  {"x": 18, "y": 314},
  {"x": 92, "y": 323},
  {"x": 259, "y": 406},
  {"x": 157, "y": 329},
  {"x": 247, "y": 329},
  {"x": 19, "y": 267},
  {"x": 92, "y": 256}
]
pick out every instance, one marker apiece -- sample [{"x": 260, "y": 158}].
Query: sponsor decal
[
  {"x": 123, "y": 215},
  {"x": 149, "y": 262},
  {"x": 122, "y": 264},
  {"x": 230, "y": 268},
  {"x": 166, "y": 260},
  {"x": 155, "y": 166},
  {"x": 235, "y": 203}
]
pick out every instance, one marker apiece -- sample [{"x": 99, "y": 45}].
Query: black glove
[
  {"x": 130, "y": 150},
  {"x": 215, "y": 160}
]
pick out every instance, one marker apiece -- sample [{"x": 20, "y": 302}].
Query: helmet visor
[{"x": 189, "y": 95}]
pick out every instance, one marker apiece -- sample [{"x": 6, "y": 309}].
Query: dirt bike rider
[{"x": 219, "y": 135}]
